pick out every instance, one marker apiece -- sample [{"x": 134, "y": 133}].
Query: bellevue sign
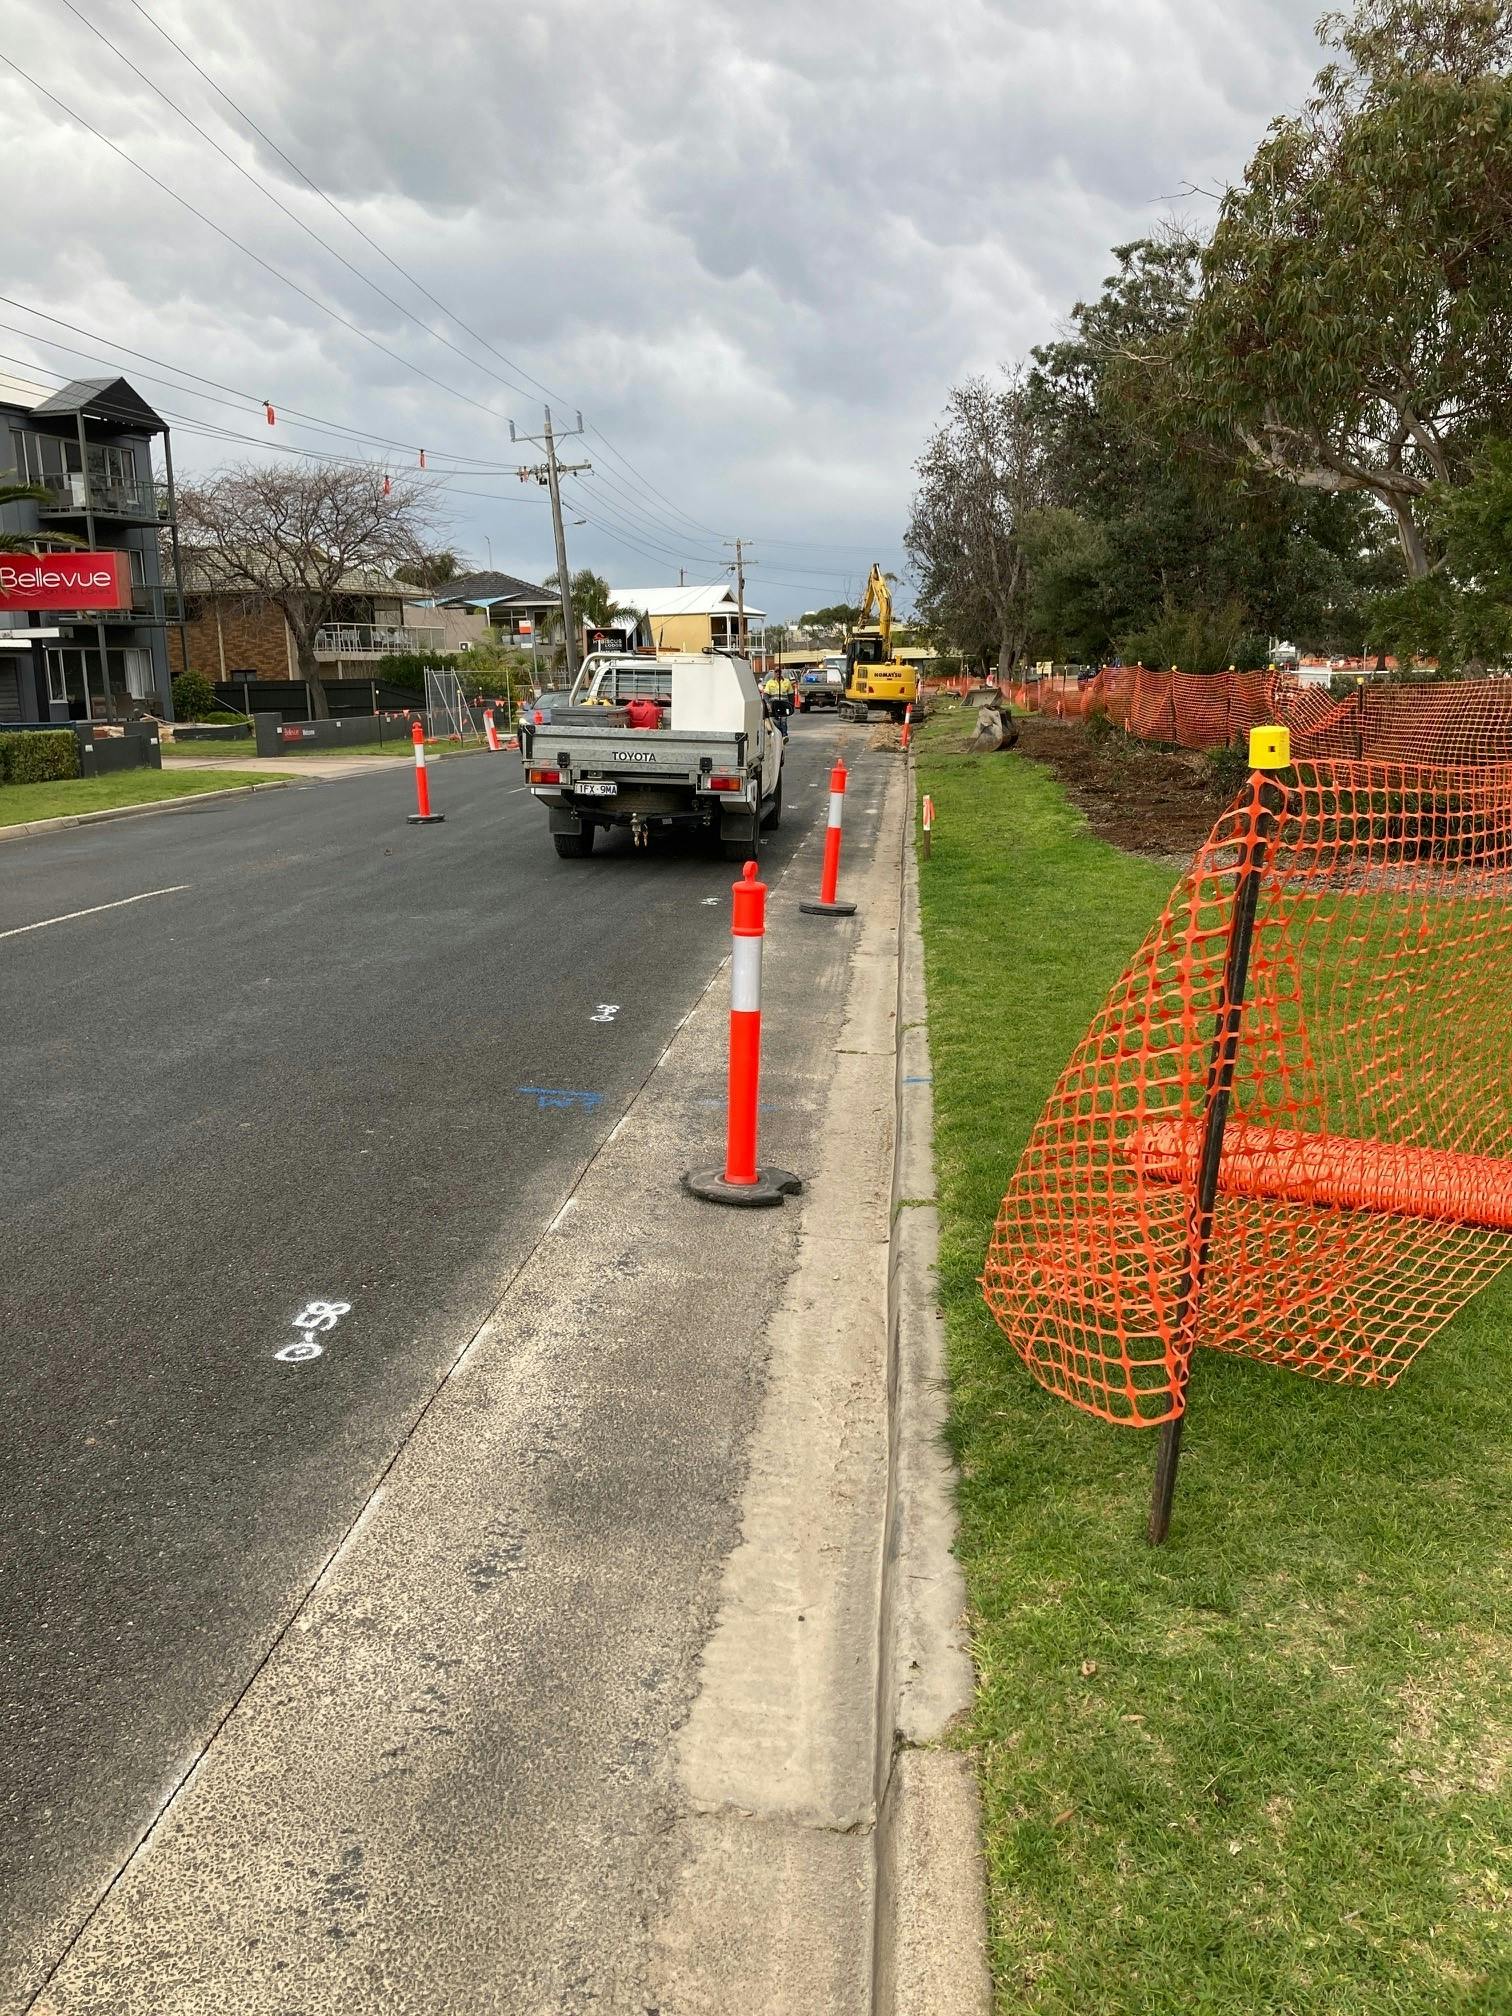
[{"x": 64, "y": 581}]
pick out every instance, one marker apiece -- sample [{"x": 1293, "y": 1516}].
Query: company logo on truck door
[{"x": 634, "y": 755}]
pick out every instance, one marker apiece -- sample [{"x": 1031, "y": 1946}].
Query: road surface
[{"x": 282, "y": 1057}]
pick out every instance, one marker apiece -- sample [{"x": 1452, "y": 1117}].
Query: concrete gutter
[
  {"x": 827, "y": 1856},
  {"x": 35, "y": 826},
  {"x": 929, "y": 1949}
]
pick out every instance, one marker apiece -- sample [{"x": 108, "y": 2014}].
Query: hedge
[{"x": 43, "y": 758}]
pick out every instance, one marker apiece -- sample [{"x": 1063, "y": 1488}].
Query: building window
[
  {"x": 139, "y": 680},
  {"x": 57, "y": 686}
]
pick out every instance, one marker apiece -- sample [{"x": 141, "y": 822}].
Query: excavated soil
[{"x": 1144, "y": 799}]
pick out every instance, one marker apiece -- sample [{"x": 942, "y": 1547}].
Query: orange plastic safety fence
[
  {"x": 1364, "y": 1191},
  {"x": 1430, "y": 722}
]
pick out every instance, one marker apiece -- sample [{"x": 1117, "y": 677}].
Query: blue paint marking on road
[
  {"x": 927, "y": 1079},
  {"x": 547, "y": 1097}
]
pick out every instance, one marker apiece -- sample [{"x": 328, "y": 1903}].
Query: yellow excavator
[{"x": 873, "y": 677}]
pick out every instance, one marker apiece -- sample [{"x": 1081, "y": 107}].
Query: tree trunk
[
  {"x": 1414, "y": 552},
  {"x": 309, "y": 671}
]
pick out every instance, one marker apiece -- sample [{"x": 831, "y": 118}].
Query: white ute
[{"x": 715, "y": 763}]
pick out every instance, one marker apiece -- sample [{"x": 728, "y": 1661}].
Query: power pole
[
  {"x": 737, "y": 568},
  {"x": 550, "y": 472}
]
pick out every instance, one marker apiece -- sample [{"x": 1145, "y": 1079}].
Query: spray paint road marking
[
  {"x": 605, "y": 1012},
  {"x": 547, "y": 1097},
  {"x": 313, "y": 1318},
  {"x": 93, "y": 911}
]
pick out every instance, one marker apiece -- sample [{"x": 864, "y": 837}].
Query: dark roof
[
  {"x": 101, "y": 399},
  {"x": 501, "y": 587}
]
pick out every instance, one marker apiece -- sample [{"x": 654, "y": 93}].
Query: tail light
[
  {"x": 727, "y": 783},
  {"x": 545, "y": 776},
  {"x": 540, "y": 718}
]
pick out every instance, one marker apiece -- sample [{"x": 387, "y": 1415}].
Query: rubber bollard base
[
  {"x": 426, "y": 818},
  {"x": 771, "y": 1187},
  {"x": 818, "y": 909}
]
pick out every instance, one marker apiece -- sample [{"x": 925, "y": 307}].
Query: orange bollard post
[
  {"x": 493, "y": 734},
  {"x": 743, "y": 1181},
  {"x": 907, "y": 723},
  {"x": 423, "y": 816},
  {"x": 828, "y": 904}
]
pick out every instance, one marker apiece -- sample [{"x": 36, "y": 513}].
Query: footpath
[{"x": 623, "y": 1690}]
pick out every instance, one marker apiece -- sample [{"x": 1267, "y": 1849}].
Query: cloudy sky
[{"x": 754, "y": 243}]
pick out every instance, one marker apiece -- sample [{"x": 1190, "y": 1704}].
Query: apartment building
[{"x": 90, "y": 447}]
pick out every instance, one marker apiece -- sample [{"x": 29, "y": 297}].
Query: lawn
[
  {"x": 398, "y": 746},
  {"x": 1263, "y": 1769},
  {"x": 20, "y": 803}
]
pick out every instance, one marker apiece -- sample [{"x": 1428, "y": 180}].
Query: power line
[
  {"x": 194, "y": 423},
  {"x": 404, "y": 272},
  {"x": 632, "y": 502},
  {"x": 662, "y": 554},
  {"x": 263, "y": 190},
  {"x": 256, "y": 257},
  {"x": 333, "y": 205},
  {"x": 181, "y": 371}
]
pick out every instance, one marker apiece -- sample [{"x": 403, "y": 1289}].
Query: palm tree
[
  {"x": 27, "y": 542},
  {"x": 593, "y": 603}
]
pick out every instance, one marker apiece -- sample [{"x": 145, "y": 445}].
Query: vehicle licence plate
[{"x": 592, "y": 790}]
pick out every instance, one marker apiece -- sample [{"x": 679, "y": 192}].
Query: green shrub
[
  {"x": 1227, "y": 769},
  {"x": 47, "y": 757},
  {"x": 1099, "y": 725},
  {"x": 193, "y": 697},
  {"x": 219, "y": 717}
]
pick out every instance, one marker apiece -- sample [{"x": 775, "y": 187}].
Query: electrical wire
[
  {"x": 277, "y": 201},
  {"x": 293, "y": 413},
  {"x": 345, "y": 217},
  {"x": 256, "y": 257}
]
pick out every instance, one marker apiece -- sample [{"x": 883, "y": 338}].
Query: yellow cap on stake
[{"x": 1270, "y": 748}]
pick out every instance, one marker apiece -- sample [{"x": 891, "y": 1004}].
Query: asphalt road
[{"x": 346, "y": 1061}]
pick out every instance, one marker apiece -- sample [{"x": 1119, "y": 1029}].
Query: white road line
[{"x": 93, "y": 910}]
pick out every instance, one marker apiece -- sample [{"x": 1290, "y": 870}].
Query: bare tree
[
  {"x": 980, "y": 475},
  {"x": 293, "y": 537}
]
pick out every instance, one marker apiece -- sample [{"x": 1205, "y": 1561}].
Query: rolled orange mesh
[
  {"x": 1364, "y": 1191},
  {"x": 1323, "y": 1169}
]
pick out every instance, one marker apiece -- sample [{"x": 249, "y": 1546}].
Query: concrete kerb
[
  {"x": 190, "y": 798},
  {"x": 929, "y": 1948}
]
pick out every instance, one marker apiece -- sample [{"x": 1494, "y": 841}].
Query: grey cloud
[{"x": 755, "y": 242}]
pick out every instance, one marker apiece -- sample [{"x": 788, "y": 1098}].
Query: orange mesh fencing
[
  {"x": 1364, "y": 1184},
  {"x": 1432, "y": 722}
]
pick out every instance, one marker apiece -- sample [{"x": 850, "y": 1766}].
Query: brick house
[{"x": 233, "y": 635}]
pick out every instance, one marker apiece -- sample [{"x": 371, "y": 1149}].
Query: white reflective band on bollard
[
  {"x": 745, "y": 976},
  {"x": 837, "y": 808}
]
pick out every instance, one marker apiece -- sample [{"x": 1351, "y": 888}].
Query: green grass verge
[
  {"x": 1264, "y": 1769},
  {"x": 397, "y": 746},
  {"x": 20, "y": 803}
]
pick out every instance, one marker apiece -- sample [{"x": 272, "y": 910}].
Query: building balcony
[
  {"x": 150, "y": 607},
  {"x": 376, "y": 640},
  {"x": 130, "y": 502}
]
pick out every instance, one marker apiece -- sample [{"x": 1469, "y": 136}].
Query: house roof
[
  {"x": 101, "y": 399},
  {"x": 356, "y": 581},
  {"x": 683, "y": 601},
  {"x": 493, "y": 588}
]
